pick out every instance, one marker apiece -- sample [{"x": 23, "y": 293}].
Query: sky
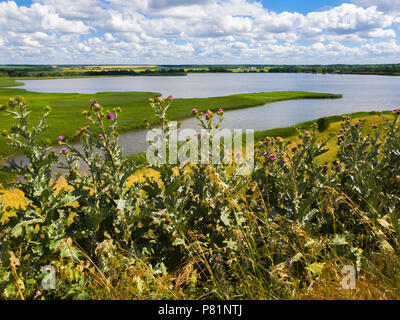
[{"x": 199, "y": 32}]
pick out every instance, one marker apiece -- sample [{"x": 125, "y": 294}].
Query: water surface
[{"x": 360, "y": 93}]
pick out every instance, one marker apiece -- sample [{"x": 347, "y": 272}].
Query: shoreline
[{"x": 14, "y": 81}]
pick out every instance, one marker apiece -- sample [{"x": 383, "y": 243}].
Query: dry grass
[{"x": 369, "y": 286}]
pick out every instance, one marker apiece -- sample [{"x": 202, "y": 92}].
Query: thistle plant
[
  {"x": 208, "y": 231},
  {"x": 160, "y": 107},
  {"x": 34, "y": 236},
  {"x": 99, "y": 173}
]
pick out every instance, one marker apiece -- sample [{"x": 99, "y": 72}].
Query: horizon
[
  {"x": 222, "y": 32},
  {"x": 133, "y": 65}
]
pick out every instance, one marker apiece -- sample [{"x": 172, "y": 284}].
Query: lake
[{"x": 360, "y": 93}]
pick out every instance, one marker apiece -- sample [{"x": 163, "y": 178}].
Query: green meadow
[{"x": 9, "y": 82}]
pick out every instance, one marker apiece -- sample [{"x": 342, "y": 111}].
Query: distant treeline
[
  {"x": 341, "y": 69},
  {"x": 219, "y": 66},
  {"x": 23, "y": 71},
  {"x": 134, "y": 73},
  {"x": 222, "y": 69},
  {"x": 173, "y": 70},
  {"x": 41, "y": 72},
  {"x": 210, "y": 69}
]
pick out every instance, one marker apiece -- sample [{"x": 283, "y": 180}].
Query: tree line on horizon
[{"x": 16, "y": 71}]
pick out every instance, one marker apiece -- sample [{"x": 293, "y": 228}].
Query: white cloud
[
  {"x": 348, "y": 18},
  {"x": 389, "y": 6},
  {"x": 380, "y": 33},
  {"x": 37, "y": 18},
  {"x": 195, "y": 31},
  {"x": 387, "y": 47}
]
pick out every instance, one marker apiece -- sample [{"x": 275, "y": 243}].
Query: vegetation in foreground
[
  {"x": 66, "y": 106},
  {"x": 200, "y": 232}
]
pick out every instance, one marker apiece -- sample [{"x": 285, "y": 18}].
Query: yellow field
[{"x": 121, "y": 67}]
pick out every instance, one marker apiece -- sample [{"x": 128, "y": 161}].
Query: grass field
[
  {"x": 290, "y": 133},
  {"x": 9, "y": 82},
  {"x": 67, "y": 107}
]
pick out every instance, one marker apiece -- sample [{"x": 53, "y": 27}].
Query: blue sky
[
  {"x": 199, "y": 31},
  {"x": 300, "y": 6}
]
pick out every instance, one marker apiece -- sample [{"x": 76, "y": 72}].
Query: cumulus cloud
[
  {"x": 389, "y": 6},
  {"x": 195, "y": 31},
  {"x": 37, "y": 18}
]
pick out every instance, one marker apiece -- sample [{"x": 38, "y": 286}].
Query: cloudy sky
[{"x": 199, "y": 31}]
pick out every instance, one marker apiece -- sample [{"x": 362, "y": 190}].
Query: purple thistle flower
[
  {"x": 239, "y": 154},
  {"x": 199, "y": 134},
  {"x": 325, "y": 166},
  {"x": 60, "y": 138},
  {"x": 170, "y": 96},
  {"x": 342, "y": 136},
  {"x": 101, "y": 136},
  {"x": 38, "y": 293},
  {"x": 110, "y": 116},
  {"x": 348, "y": 118},
  {"x": 194, "y": 111},
  {"x": 266, "y": 154},
  {"x": 221, "y": 110},
  {"x": 338, "y": 166},
  {"x": 272, "y": 156},
  {"x": 266, "y": 142},
  {"x": 64, "y": 150},
  {"x": 357, "y": 124},
  {"x": 374, "y": 125},
  {"x": 206, "y": 115},
  {"x": 91, "y": 101},
  {"x": 307, "y": 133}
]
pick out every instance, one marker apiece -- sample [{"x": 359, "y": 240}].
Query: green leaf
[
  {"x": 121, "y": 204},
  {"x": 178, "y": 242},
  {"x": 17, "y": 230},
  {"x": 83, "y": 296},
  {"x": 316, "y": 268}
]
